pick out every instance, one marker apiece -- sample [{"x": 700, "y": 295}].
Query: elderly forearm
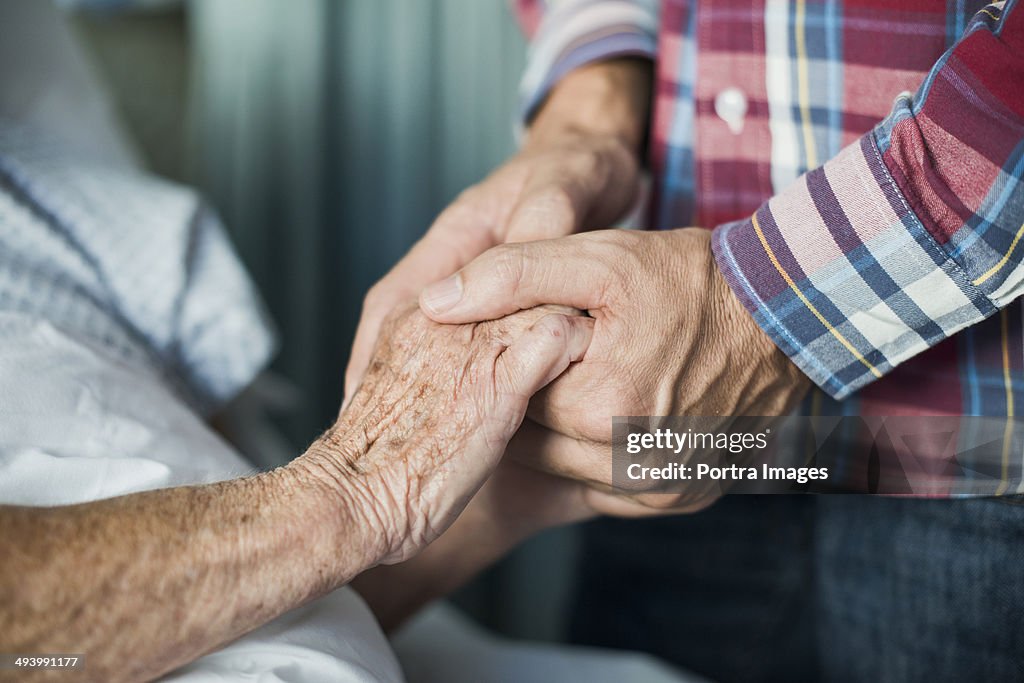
[{"x": 144, "y": 583}]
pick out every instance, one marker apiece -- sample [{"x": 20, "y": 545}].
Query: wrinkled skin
[
  {"x": 211, "y": 562},
  {"x": 549, "y": 190},
  {"x": 670, "y": 338},
  {"x": 434, "y": 413}
]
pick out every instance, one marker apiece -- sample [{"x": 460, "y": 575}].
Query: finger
[
  {"x": 512, "y": 277},
  {"x": 540, "y": 354},
  {"x": 553, "y": 452},
  {"x": 550, "y": 205},
  {"x": 645, "y": 505},
  {"x": 591, "y": 464},
  {"x": 362, "y": 349},
  {"x": 586, "y": 189}
]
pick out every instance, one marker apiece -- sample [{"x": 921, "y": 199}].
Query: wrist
[
  {"x": 786, "y": 380},
  {"x": 338, "y": 501},
  {"x": 605, "y": 99}
]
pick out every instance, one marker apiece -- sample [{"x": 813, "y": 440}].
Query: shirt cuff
[
  {"x": 842, "y": 275},
  {"x": 577, "y": 32}
]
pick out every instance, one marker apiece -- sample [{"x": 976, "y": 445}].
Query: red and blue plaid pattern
[{"x": 865, "y": 184}]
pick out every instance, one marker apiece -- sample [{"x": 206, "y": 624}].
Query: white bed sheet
[{"x": 79, "y": 425}]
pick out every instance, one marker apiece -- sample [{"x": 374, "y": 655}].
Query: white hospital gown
[{"x": 124, "y": 315}]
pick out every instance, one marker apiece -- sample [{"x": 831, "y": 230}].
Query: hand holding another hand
[
  {"x": 670, "y": 338},
  {"x": 578, "y": 170},
  {"x": 432, "y": 418}
]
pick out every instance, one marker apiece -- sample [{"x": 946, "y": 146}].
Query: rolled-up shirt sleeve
[
  {"x": 907, "y": 236},
  {"x": 567, "y": 34}
]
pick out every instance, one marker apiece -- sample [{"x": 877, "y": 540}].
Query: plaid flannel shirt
[{"x": 861, "y": 165}]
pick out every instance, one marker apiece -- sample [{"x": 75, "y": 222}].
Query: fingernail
[{"x": 441, "y": 296}]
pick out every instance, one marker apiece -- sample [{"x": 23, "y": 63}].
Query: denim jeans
[{"x": 804, "y": 588}]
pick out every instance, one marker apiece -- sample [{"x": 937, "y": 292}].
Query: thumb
[{"x": 514, "y": 277}]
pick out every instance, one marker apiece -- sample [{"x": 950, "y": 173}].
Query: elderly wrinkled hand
[
  {"x": 434, "y": 413},
  {"x": 427, "y": 427},
  {"x": 578, "y": 169}
]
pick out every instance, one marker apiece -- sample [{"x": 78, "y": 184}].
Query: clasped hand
[
  {"x": 432, "y": 417},
  {"x": 670, "y": 338}
]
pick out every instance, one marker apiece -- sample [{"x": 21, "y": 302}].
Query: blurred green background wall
[{"x": 328, "y": 134}]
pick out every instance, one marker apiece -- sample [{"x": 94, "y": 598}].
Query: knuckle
[
  {"x": 554, "y": 327},
  {"x": 589, "y": 161},
  {"x": 613, "y": 250},
  {"x": 510, "y": 264}
]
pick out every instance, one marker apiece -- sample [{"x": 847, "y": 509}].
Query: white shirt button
[{"x": 731, "y": 107}]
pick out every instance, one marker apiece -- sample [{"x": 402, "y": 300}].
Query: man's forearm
[
  {"x": 605, "y": 98},
  {"x": 144, "y": 583}
]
